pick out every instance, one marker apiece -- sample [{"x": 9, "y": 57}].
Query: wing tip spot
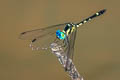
[
  {"x": 34, "y": 40},
  {"x": 23, "y": 32}
]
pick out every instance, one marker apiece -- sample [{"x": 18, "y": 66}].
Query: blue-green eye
[
  {"x": 60, "y": 34},
  {"x": 63, "y": 35}
]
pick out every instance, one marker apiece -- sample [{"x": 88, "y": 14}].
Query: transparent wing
[
  {"x": 29, "y": 35},
  {"x": 70, "y": 48},
  {"x": 41, "y": 38}
]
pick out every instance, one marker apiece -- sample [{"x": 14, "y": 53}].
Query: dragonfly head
[{"x": 60, "y": 35}]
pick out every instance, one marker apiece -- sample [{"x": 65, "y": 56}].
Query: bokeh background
[{"x": 97, "y": 49}]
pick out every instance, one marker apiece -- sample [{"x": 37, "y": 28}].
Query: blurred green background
[{"x": 97, "y": 49}]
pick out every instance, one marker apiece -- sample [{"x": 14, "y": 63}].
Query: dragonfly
[{"x": 63, "y": 34}]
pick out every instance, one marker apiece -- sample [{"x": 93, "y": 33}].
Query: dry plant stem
[{"x": 71, "y": 69}]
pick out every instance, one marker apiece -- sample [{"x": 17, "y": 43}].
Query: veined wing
[
  {"x": 70, "y": 49},
  {"x": 41, "y": 38},
  {"x": 30, "y": 35}
]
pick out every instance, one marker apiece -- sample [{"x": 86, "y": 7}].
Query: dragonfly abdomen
[{"x": 91, "y": 17}]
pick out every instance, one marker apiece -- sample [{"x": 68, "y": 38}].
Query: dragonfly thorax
[{"x": 69, "y": 28}]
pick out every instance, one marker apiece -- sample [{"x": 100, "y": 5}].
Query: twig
[{"x": 71, "y": 69}]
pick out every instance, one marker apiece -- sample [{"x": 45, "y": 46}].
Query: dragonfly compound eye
[{"x": 60, "y": 34}]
